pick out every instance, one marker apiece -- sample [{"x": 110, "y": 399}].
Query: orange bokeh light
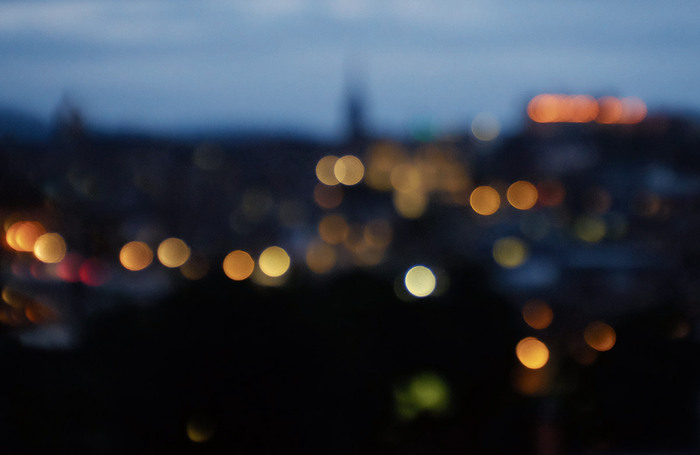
[
  {"x": 600, "y": 336},
  {"x": 485, "y": 200},
  {"x": 22, "y": 235},
  {"x": 238, "y": 265},
  {"x": 610, "y": 110},
  {"x": 522, "y": 195},
  {"x": 537, "y": 314},
  {"x": 532, "y": 353}
]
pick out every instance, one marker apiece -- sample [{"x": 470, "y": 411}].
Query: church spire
[{"x": 354, "y": 99}]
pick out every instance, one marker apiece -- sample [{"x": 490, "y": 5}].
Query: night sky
[{"x": 283, "y": 64}]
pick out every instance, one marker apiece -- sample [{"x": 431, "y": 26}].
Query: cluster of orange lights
[
  {"x": 522, "y": 195},
  {"x": 553, "y": 108},
  {"x": 51, "y": 252},
  {"x": 31, "y": 237},
  {"x": 534, "y": 354},
  {"x": 238, "y": 265}
]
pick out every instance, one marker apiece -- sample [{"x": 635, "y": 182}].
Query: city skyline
[{"x": 281, "y": 64}]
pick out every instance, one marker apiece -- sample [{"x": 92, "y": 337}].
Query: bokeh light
[
  {"x": 589, "y": 228},
  {"x": 600, "y": 336},
  {"x": 537, "y": 382},
  {"x": 320, "y": 257},
  {"x": 67, "y": 269},
  {"x": 348, "y": 170},
  {"x": 585, "y": 109},
  {"x": 610, "y": 110},
  {"x": 328, "y": 197},
  {"x": 173, "y": 252},
  {"x": 135, "y": 256},
  {"x": 406, "y": 178},
  {"x": 40, "y": 313},
  {"x": 93, "y": 272},
  {"x": 420, "y": 281},
  {"x": 50, "y": 248},
  {"x": 522, "y": 195},
  {"x": 550, "y": 193},
  {"x": 333, "y": 229},
  {"x": 424, "y": 392},
  {"x": 274, "y": 261},
  {"x": 382, "y": 158},
  {"x": 410, "y": 204},
  {"x": 485, "y": 200},
  {"x": 548, "y": 108},
  {"x": 532, "y": 353},
  {"x": 325, "y": 170},
  {"x": 200, "y": 428},
  {"x": 510, "y": 252},
  {"x": 196, "y": 267},
  {"x": 537, "y": 314},
  {"x": 378, "y": 233},
  {"x": 486, "y": 126},
  {"x": 22, "y": 235},
  {"x": 238, "y": 265},
  {"x": 633, "y": 110}
]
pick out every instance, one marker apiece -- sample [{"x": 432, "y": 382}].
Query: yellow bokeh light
[
  {"x": 532, "y": 353},
  {"x": 349, "y": 170},
  {"x": 537, "y": 314},
  {"x": 429, "y": 391},
  {"x": 333, "y": 229},
  {"x": 600, "y": 336},
  {"x": 200, "y": 428},
  {"x": 238, "y": 265},
  {"x": 135, "y": 256},
  {"x": 406, "y": 178},
  {"x": 522, "y": 195},
  {"x": 590, "y": 229},
  {"x": 381, "y": 160},
  {"x": 424, "y": 392},
  {"x": 320, "y": 257},
  {"x": 50, "y": 248},
  {"x": 420, "y": 281},
  {"x": 173, "y": 252},
  {"x": 485, "y": 200},
  {"x": 410, "y": 204},
  {"x": 510, "y": 252},
  {"x": 274, "y": 261},
  {"x": 325, "y": 170}
]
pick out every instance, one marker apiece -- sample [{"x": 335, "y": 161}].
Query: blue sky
[{"x": 169, "y": 64}]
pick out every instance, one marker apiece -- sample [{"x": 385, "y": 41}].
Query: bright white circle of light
[{"x": 420, "y": 281}]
